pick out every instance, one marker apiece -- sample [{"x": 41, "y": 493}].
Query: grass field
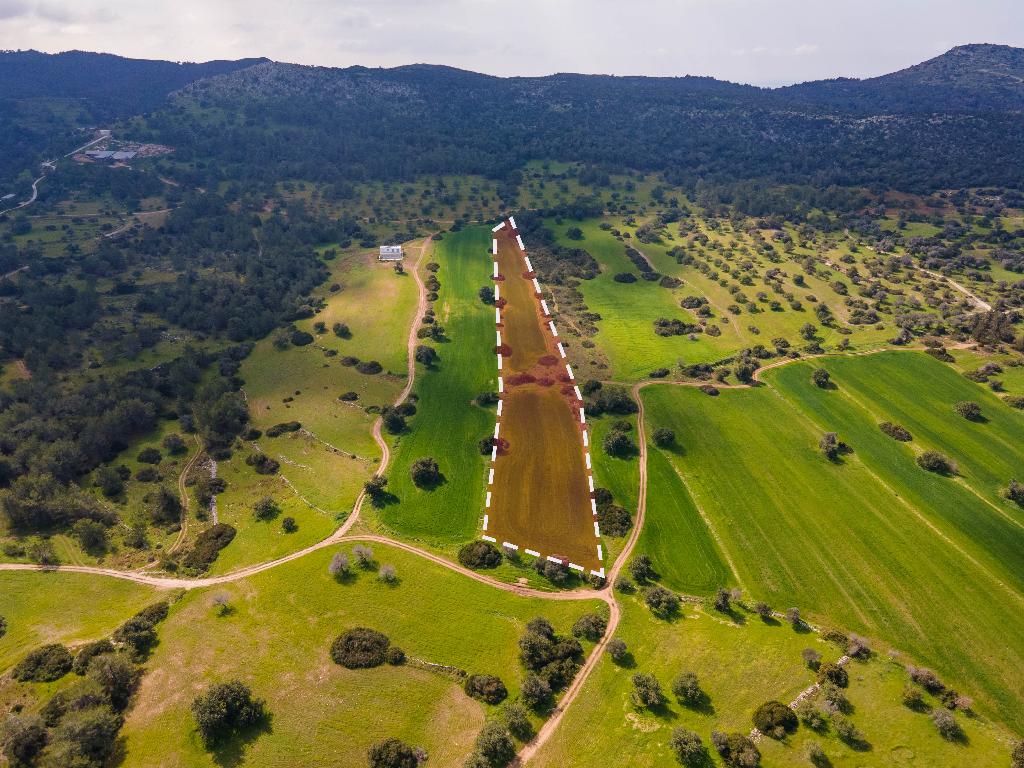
[
  {"x": 739, "y": 665},
  {"x": 834, "y": 538},
  {"x": 447, "y": 426},
  {"x": 277, "y": 636}
]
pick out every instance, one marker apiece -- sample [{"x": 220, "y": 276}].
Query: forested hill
[
  {"x": 108, "y": 86},
  {"x": 950, "y": 122}
]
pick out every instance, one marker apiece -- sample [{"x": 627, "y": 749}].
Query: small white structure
[{"x": 391, "y": 253}]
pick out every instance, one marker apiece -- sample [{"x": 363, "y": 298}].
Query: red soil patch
[
  {"x": 529, "y": 275},
  {"x": 545, "y": 381},
  {"x": 500, "y": 303},
  {"x": 502, "y": 446},
  {"x": 520, "y": 378},
  {"x": 499, "y": 278},
  {"x": 548, "y": 360},
  {"x": 504, "y": 350}
]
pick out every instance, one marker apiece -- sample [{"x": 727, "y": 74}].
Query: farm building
[{"x": 390, "y": 253}]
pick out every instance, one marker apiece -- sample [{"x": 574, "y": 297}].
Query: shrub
[
  {"x": 138, "y": 634},
  {"x": 646, "y": 691},
  {"x": 1017, "y": 758},
  {"x": 84, "y": 738},
  {"x": 359, "y": 648},
  {"x": 263, "y": 464},
  {"x": 425, "y": 473},
  {"x": 913, "y": 698},
  {"x": 116, "y": 675},
  {"x": 775, "y": 719},
  {"x": 811, "y": 658},
  {"x": 590, "y": 626},
  {"x": 91, "y": 535},
  {"x": 664, "y": 437},
  {"x": 816, "y": 756},
  {"x": 641, "y": 569},
  {"x": 349, "y": 396},
  {"x": 387, "y": 574},
  {"x": 763, "y": 610},
  {"x": 846, "y": 730},
  {"x": 364, "y": 556},
  {"x": 494, "y": 744},
  {"x": 686, "y": 689},
  {"x": 968, "y": 410},
  {"x": 896, "y": 432},
  {"x": 426, "y": 355},
  {"x": 486, "y": 688},
  {"x": 1015, "y": 492},
  {"x": 44, "y": 664},
  {"x": 480, "y": 554},
  {"x": 662, "y": 602},
  {"x": 688, "y": 748},
  {"x": 1014, "y": 401},
  {"x": 624, "y": 277},
  {"x": 833, "y": 673},
  {"x": 933, "y": 461},
  {"x": 394, "y": 656},
  {"x": 369, "y": 367},
  {"x": 301, "y": 338},
  {"x": 810, "y": 715},
  {"x": 829, "y": 445},
  {"x": 619, "y": 444},
  {"x": 207, "y": 546},
  {"x": 835, "y": 637},
  {"x": 722, "y": 600},
  {"x": 288, "y": 525},
  {"x": 341, "y": 330},
  {"x": 224, "y": 710},
  {"x": 821, "y": 378}
]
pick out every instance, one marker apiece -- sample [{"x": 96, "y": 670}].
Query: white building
[{"x": 390, "y": 253}]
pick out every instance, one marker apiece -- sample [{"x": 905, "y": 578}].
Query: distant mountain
[
  {"x": 968, "y": 77},
  {"x": 108, "y": 85}
]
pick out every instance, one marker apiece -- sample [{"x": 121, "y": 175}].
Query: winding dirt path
[{"x": 183, "y": 496}]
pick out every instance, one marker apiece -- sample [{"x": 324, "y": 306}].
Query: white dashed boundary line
[{"x": 501, "y": 389}]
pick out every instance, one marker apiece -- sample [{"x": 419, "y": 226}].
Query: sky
[{"x": 763, "y": 42}]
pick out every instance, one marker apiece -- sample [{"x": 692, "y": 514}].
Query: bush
[
  {"x": 1014, "y": 401},
  {"x": 480, "y": 554},
  {"x": 149, "y": 456},
  {"x": 896, "y": 432},
  {"x": 535, "y": 693},
  {"x": 646, "y": 691},
  {"x": 369, "y": 367},
  {"x": 394, "y": 656},
  {"x": 816, "y": 756},
  {"x": 834, "y": 674},
  {"x": 688, "y": 748},
  {"x": 811, "y": 658},
  {"x": 263, "y": 464},
  {"x": 641, "y": 569},
  {"x": 116, "y": 675},
  {"x": 341, "y": 330},
  {"x": 207, "y": 546},
  {"x": 933, "y": 461},
  {"x": 24, "y": 738},
  {"x": 426, "y": 355},
  {"x": 1015, "y": 492},
  {"x": 662, "y": 602},
  {"x": 425, "y": 473},
  {"x": 494, "y": 744},
  {"x": 138, "y": 634},
  {"x": 486, "y": 688},
  {"x": 286, "y": 426},
  {"x": 84, "y": 738},
  {"x": 224, "y": 710},
  {"x": 821, "y": 378},
  {"x": 614, "y": 520},
  {"x": 664, "y": 437},
  {"x": 775, "y": 719},
  {"x": 301, "y": 338},
  {"x": 360, "y": 648},
  {"x": 348, "y": 397},
  {"x": 1017, "y": 758},
  {"x": 590, "y": 626},
  {"x": 809, "y": 714},
  {"x": 846, "y": 730},
  {"x": 624, "y": 277},
  {"x": 687, "y": 690},
  {"x": 619, "y": 444},
  {"x": 288, "y": 525},
  {"x": 44, "y": 664},
  {"x": 913, "y": 698},
  {"x": 968, "y": 410},
  {"x": 91, "y": 535},
  {"x": 392, "y": 753}
]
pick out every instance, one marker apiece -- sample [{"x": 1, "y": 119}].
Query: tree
[
  {"x": 24, "y": 738},
  {"x": 486, "y": 688},
  {"x": 392, "y": 753},
  {"x": 641, "y": 569},
  {"x": 763, "y": 610},
  {"x": 91, "y": 535},
  {"x": 224, "y": 710},
  {"x": 339, "y": 565},
  {"x": 364, "y": 555},
  {"x": 646, "y": 691},
  {"x": 686, "y": 689},
  {"x": 834, "y": 674},
  {"x": 84, "y": 737},
  {"x": 44, "y": 664},
  {"x": 288, "y": 525},
  {"x": 793, "y": 617},
  {"x": 590, "y": 626},
  {"x": 688, "y": 748},
  {"x": 116, "y": 675},
  {"x": 3, "y": 626},
  {"x": 393, "y": 421},
  {"x": 933, "y": 461},
  {"x": 617, "y": 650},
  {"x": 774, "y": 719},
  {"x": 174, "y": 445},
  {"x": 808, "y": 331},
  {"x": 301, "y": 338},
  {"x": 736, "y": 749},
  {"x": 619, "y": 444},
  {"x": 149, "y": 456},
  {"x": 829, "y": 445},
  {"x": 360, "y": 648},
  {"x": 1015, "y": 492},
  {"x": 968, "y": 410},
  {"x": 946, "y": 725},
  {"x": 574, "y": 233},
  {"x": 486, "y": 294},
  {"x": 722, "y": 600},
  {"x": 480, "y": 554},
  {"x": 846, "y": 730},
  {"x": 518, "y": 721},
  {"x": 425, "y": 473},
  {"x": 341, "y": 330},
  {"x": 913, "y": 698},
  {"x": 662, "y": 602},
  {"x": 664, "y": 437},
  {"x": 821, "y": 378},
  {"x": 387, "y": 574},
  {"x": 109, "y": 481},
  {"x": 535, "y": 693},
  {"x": 495, "y": 745},
  {"x": 812, "y": 658},
  {"x": 266, "y": 509},
  {"x": 425, "y": 354}
]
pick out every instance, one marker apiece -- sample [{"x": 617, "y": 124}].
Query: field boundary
[{"x": 511, "y": 224}]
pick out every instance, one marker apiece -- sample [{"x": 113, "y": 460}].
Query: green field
[
  {"x": 739, "y": 665},
  {"x": 277, "y": 637},
  {"x": 447, "y": 425},
  {"x": 852, "y": 543}
]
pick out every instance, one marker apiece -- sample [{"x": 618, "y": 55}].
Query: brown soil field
[{"x": 540, "y": 497}]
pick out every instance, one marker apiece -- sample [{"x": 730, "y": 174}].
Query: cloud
[
  {"x": 805, "y": 49},
  {"x": 12, "y": 9}
]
